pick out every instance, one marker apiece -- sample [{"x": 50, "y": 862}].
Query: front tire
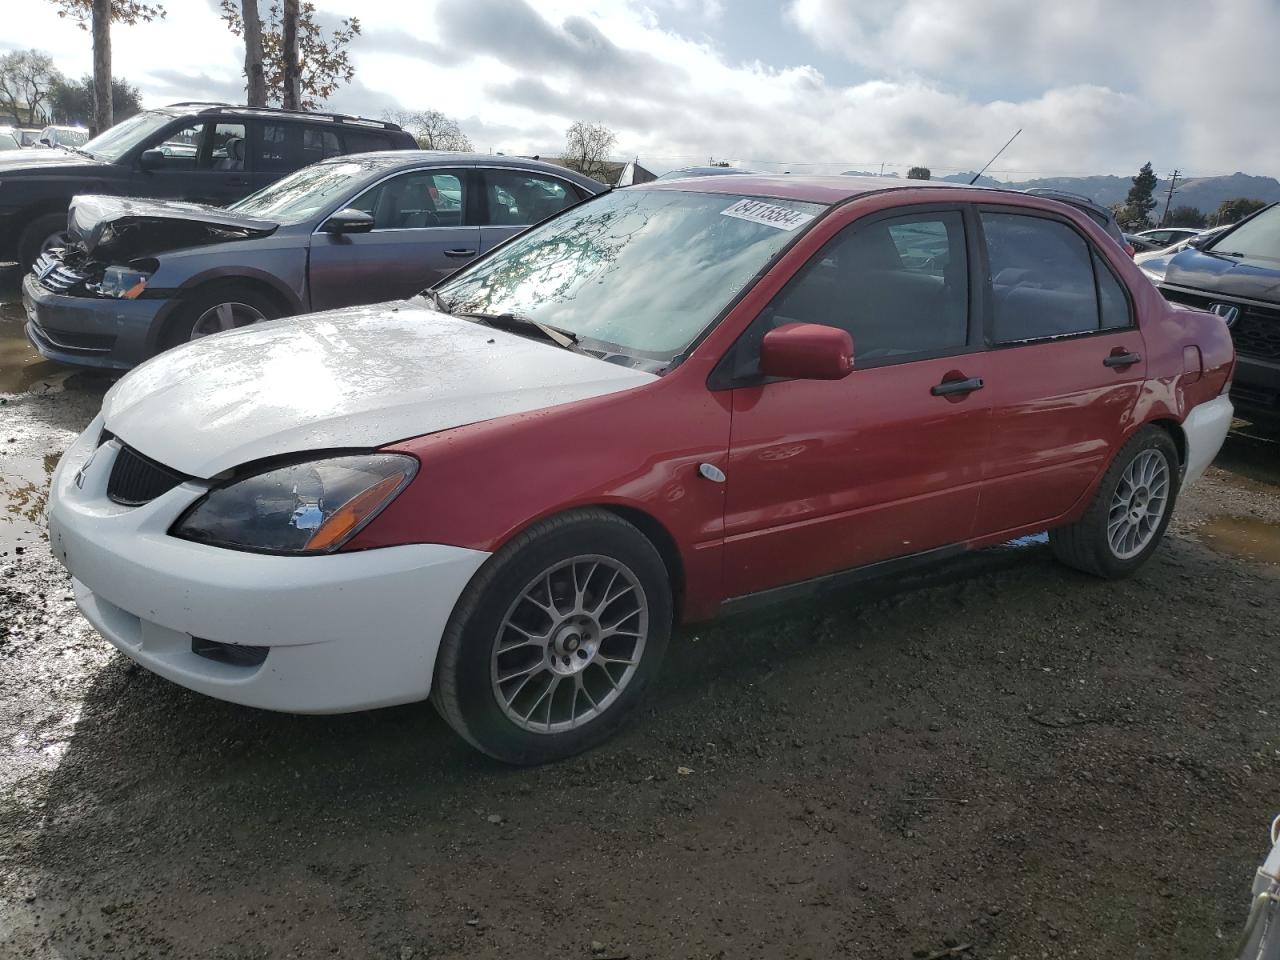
[
  {"x": 217, "y": 308},
  {"x": 1130, "y": 511},
  {"x": 41, "y": 234},
  {"x": 554, "y": 641}
]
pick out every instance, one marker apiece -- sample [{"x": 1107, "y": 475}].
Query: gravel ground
[{"x": 1001, "y": 758}]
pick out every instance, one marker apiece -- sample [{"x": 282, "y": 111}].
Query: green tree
[
  {"x": 919, "y": 173},
  {"x": 98, "y": 15},
  {"x": 71, "y": 101},
  {"x": 1232, "y": 211},
  {"x": 1186, "y": 217},
  {"x": 323, "y": 61},
  {"x": 1141, "y": 200},
  {"x": 26, "y": 79}
]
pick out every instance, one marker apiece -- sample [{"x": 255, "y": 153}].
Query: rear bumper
[
  {"x": 340, "y": 632},
  {"x": 89, "y": 331},
  {"x": 1205, "y": 428}
]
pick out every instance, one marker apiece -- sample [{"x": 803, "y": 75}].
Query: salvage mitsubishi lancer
[{"x": 669, "y": 402}]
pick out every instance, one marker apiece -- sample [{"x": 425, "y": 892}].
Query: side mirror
[
  {"x": 152, "y": 159},
  {"x": 349, "y": 220},
  {"x": 46, "y": 141},
  {"x": 807, "y": 351}
]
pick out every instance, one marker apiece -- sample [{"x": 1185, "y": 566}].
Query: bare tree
[
  {"x": 432, "y": 129},
  {"x": 292, "y": 93},
  {"x": 254, "y": 74},
  {"x": 99, "y": 15},
  {"x": 323, "y": 64},
  {"x": 27, "y": 80},
  {"x": 587, "y": 146}
]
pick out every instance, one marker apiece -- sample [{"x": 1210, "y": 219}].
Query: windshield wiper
[
  {"x": 518, "y": 322},
  {"x": 440, "y": 303},
  {"x": 83, "y": 153}
]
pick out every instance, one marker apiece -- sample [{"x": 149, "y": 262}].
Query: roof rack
[{"x": 214, "y": 107}]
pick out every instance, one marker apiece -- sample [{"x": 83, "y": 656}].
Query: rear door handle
[
  {"x": 1126, "y": 359},
  {"x": 948, "y": 387},
  {"x": 459, "y": 252}
]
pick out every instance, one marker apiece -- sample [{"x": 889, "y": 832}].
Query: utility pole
[{"x": 1164, "y": 219}]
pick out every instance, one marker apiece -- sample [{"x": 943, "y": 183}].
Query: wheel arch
[
  {"x": 1176, "y": 434},
  {"x": 266, "y": 284}
]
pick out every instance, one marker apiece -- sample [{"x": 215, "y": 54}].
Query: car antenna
[{"x": 993, "y": 159}]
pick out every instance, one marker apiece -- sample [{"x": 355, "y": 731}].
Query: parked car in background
[
  {"x": 1142, "y": 244},
  {"x": 1154, "y": 262},
  {"x": 28, "y": 136},
  {"x": 673, "y": 401},
  {"x": 690, "y": 172},
  {"x": 1235, "y": 273},
  {"x": 60, "y": 135},
  {"x": 140, "y": 276},
  {"x": 9, "y": 139},
  {"x": 1168, "y": 236},
  {"x": 1094, "y": 211},
  {"x": 208, "y": 153}
]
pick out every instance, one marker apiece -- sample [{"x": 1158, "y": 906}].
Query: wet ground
[{"x": 1000, "y": 759}]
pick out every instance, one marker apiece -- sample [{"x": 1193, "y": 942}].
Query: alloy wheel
[
  {"x": 570, "y": 644},
  {"x": 225, "y": 316},
  {"x": 1138, "y": 504}
]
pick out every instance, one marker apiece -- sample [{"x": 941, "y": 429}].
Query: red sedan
[{"x": 668, "y": 402}]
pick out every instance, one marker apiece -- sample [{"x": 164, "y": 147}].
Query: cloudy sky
[{"x": 1098, "y": 86}]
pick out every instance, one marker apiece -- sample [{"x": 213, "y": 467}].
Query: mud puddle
[
  {"x": 1245, "y": 537},
  {"x": 21, "y": 368},
  {"x": 24, "y": 490}
]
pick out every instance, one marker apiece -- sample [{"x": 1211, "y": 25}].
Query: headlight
[
  {"x": 125, "y": 283},
  {"x": 310, "y": 507}
]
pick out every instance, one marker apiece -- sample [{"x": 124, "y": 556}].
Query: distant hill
[{"x": 1206, "y": 194}]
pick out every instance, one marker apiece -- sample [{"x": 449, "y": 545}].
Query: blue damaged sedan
[{"x": 137, "y": 277}]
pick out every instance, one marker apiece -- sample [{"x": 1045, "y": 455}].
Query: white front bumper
[
  {"x": 1206, "y": 428},
  {"x": 344, "y": 631}
]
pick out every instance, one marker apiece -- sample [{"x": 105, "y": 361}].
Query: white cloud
[{"x": 1097, "y": 86}]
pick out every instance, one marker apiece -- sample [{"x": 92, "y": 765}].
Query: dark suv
[{"x": 209, "y": 153}]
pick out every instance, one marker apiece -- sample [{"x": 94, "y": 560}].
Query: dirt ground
[{"x": 999, "y": 759}]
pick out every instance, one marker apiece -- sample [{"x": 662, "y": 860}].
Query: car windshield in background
[
  {"x": 114, "y": 143},
  {"x": 1257, "y": 239},
  {"x": 305, "y": 192},
  {"x": 643, "y": 270}
]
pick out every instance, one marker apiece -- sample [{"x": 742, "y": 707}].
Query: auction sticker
[{"x": 770, "y": 214}]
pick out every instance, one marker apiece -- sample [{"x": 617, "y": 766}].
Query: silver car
[{"x": 140, "y": 276}]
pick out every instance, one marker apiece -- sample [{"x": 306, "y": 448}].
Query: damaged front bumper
[{"x": 101, "y": 332}]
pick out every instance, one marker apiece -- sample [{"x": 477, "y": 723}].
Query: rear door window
[
  {"x": 515, "y": 198},
  {"x": 1046, "y": 281},
  {"x": 364, "y": 141},
  {"x": 319, "y": 144}
]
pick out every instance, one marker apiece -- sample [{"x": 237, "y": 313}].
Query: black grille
[
  {"x": 136, "y": 480},
  {"x": 1257, "y": 330}
]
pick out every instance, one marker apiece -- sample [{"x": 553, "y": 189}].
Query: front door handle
[
  {"x": 1125, "y": 359},
  {"x": 459, "y": 252},
  {"x": 948, "y": 387}
]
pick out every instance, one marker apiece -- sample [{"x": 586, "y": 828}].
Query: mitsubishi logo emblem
[{"x": 1229, "y": 312}]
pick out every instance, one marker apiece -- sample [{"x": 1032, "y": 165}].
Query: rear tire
[
  {"x": 1121, "y": 528},
  {"x": 243, "y": 304},
  {"x": 34, "y": 239},
  {"x": 575, "y": 614}
]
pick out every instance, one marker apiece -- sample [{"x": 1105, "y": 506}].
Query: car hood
[
  {"x": 1251, "y": 279},
  {"x": 124, "y": 228},
  {"x": 361, "y": 377},
  {"x": 35, "y": 161}
]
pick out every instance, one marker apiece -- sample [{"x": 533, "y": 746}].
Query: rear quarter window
[{"x": 364, "y": 141}]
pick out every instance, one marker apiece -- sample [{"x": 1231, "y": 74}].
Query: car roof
[
  {"x": 785, "y": 186},
  {"x": 386, "y": 161}
]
